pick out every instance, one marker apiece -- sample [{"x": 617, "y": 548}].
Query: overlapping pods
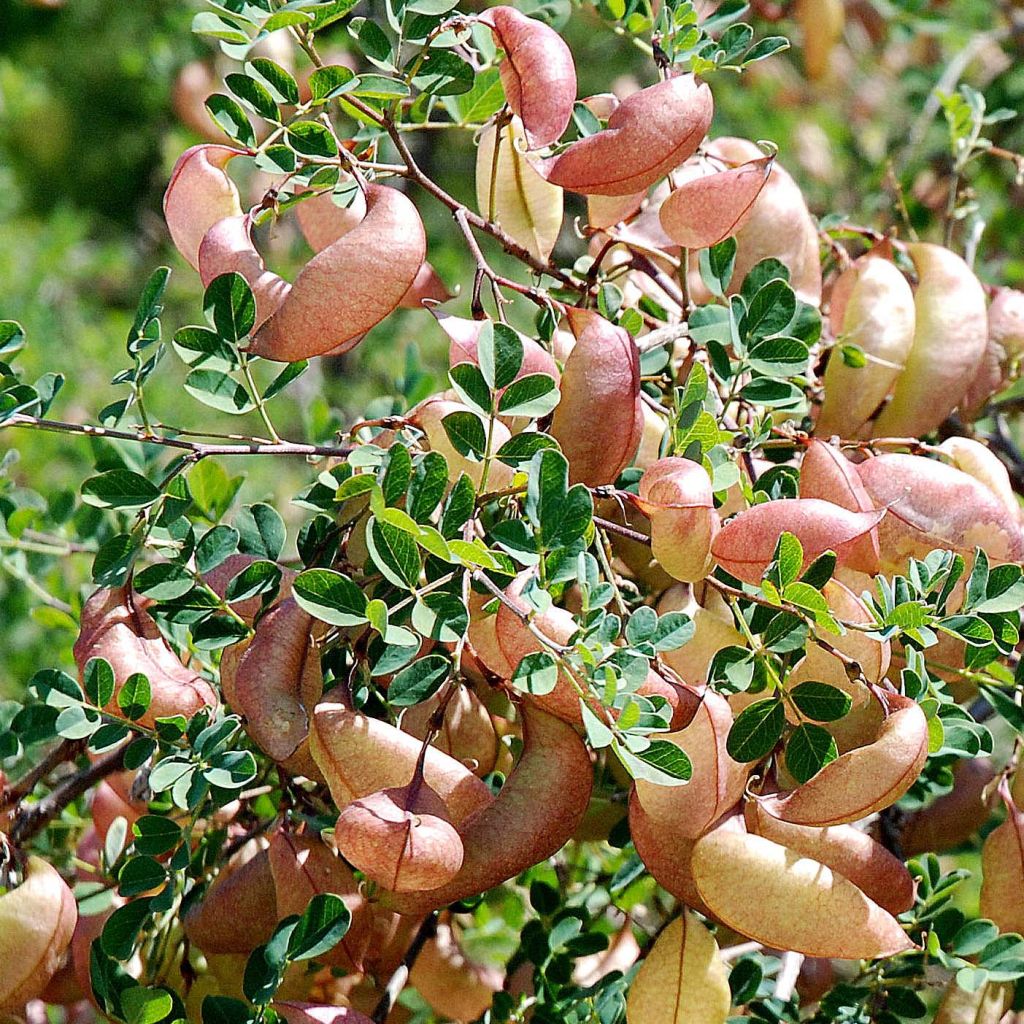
[
  {"x": 598, "y": 422},
  {"x": 1002, "y": 351},
  {"x": 676, "y": 494},
  {"x": 648, "y": 134}
]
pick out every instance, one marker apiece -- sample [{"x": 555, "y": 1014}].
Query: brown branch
[
  {"x": 66, "y": 750},
  {"x": 427, "y": 930},
  {"x": 28, "y": 821}
]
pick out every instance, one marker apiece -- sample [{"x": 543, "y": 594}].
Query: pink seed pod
[
  {"x": 322, "y": 222},
  {"x": 598, "y": 422},
  {"x": 1004, "y": 346},
  {"x": 313, "y": 1013},
  {"x": 351, "y": 285},
  {"x": 779, "y": 225},
  {"x": 872, "y": 308},
  {"x": 707, "y": 210},
  {"x": 676, "y": 495},
  {"x": 933, "y": 505},
  {"x": 199, "y": 194},
  {"x": 228, "y": 247},
  {"x": 950, "y": 336},
  {"x": 538, "y": 73},
  {"x": 746, "y": 544},
  {"x": 648, "y": 134}
]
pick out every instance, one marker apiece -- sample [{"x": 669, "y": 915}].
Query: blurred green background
[{"x": 93, "y": 113}]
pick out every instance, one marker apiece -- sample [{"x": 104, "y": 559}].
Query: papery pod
[
  {"x": 779, "y": 225},
  {"x": 655, "y": 427},
  {"x": 648, "y": 134},
  {"x": 872, "y": 655},
  {"x": 525, "y": 205},
  {"x": 429, "y": 417},
  {"x": 1002, "y": 350},
  {"x": 676, "y": 495},
  {"x": 228, "y": 248},
  {"x": 598, "y": 421},
  {"x": 199, "y": 194},
  {"x": 986, "y": 1005},
  {"x": 465, "y": 337},
  {"x": 950, "y": 335},
  {"x": 773, "y": 895},
  {"x": 401, "y": 838},
  {"x": 1006, "y": 321},
  {"x": 866, "y": 779},
  {"x": 516, "y": 640},
  {"x": 242, "y": 891},
  {"x": 746, "y": 544},
  {"x": 482, "y": 636},
  {"x": 302, "y": 867},
  {"x": 359, "y": 755},
  {"x": 827, "y": 474},
  {"x": 538, "y": 73},
  {"x": 37, "y": 920},
  {"x": 718, "y": 781},
  {"x": 115, "y": 625},
  {"x": 112, "y": 799},
  {"x": 607, "y": 211},
  {"x": 623, "y": 951},
  {"x": 821, "y": 22},
  {"x": 534, "y": 815},
  {"x": 454, "y": 986},
  {"x": 979, "y": 461},
  {"x": 955, "y": 816},
  {"x": 706, "y": 210},
  {"x": 682, "y": 980},
  {"x": 845, "y": 849},
  {"x": 872, "y": 308},
  {"x": 932, "y": 505},
  {"x": 713, "y": 630},
  {"x": 350, "y": 286},
  {"x": 467, "y": 730},
  {"x": 311, "y": 1013},
  {"x": 634, "y": 555},
  {"x": 1002, "y": 869},
  {"x": 273, "y": 681}
]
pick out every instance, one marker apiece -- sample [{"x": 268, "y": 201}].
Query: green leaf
[
  {"x": 419, "y": 681},
  {"x": 311, "y": 138},
  {"x": 261, "y": 531},
  {"x": 330, "y": 596},
  {"x": 380, "y": 87},
  {"x": 466, "y": 433},
  {"x": 230, "y": 118},
  {"x": 156, "y": 834},
  {"x": 471, "y": 387},
  {"x": 787, "y": 561},
  {"x": 139, "y": 875},
  {"x": 322, "y": 926},
  {"x": 216, "y": 26},
  {"x": 119, "y": 489},
  {"x": 668, "y": 758},
  {"x": 219, "y": 391},
  {"x": 146, "y": 1005},
  {"x": 254, "y": 95},
  {"x": 229, "y": 306},
  {"x": 757, "y": 729},
  {"x": 519, "y": 449},
  {"x": 779, "y": 357},
  {"x": 536, "y": 674},
  {"x": 328, "y": 82},
  {"x": 820, "y": 701},
  {"x": 809, "y": 749},
  {"x": 216, "y": 545},
  {"x": 440, "y": 616},
  {"x": 124, "y": 928},
  {"x": 76, "y": 723},
  {"x": 717, "y": 265},
  {"x": 200, "y": 347},
  {"x": 98, "y": 681},
  {"x": 443, "y": 73},
  {"x": 394, "y": 552},
  {"x": 534, "y": 395},
  {"x": 164, "y": 581},
  {"x": 504, "y": 354},
  {"x": 458, "y": 507},
  {"x": 427, "y": 486},
  {"x": 134, "y": 696},
  {"x": 278, "y": 82}
]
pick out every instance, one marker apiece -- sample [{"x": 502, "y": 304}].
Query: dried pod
[
  {"x": 467, "y": 730},
  {"x": 509, "y": 186},
  {"x": 713, "y": 629},
  {"x": 535, "y": 814},
  {"x": 228, "y": 248},
  {"x": 311, "y": 1013},
  {"x": 746, "y": 544},
  {"x": 199, "y": 194},
  {"x": 676, "y": 494},
  {"x": 773, "y": 895},
  {"x": 718, "y": 780},
  {"x": 648, "y": 134},
  {"x": 880, "y": 875},
  {"x": 986, "y": 1005},
  {"x": 950, "y": 334},
  {"x": 455, "y": 988},
  {"x": 350, "y": 286},
  {"x": 682, "y": 980},
  {"x": 538, "y": 73},
  {"x": 1002, "y": 870},
  {"x": 779, "y": 225},
  {"x": 865, "y": 779},
  {"x": 359, "y": 755},
  {"x": 400, "y": 838},
  {"x": 932, "y": 505},
  {"x": 37, "y": 920},
  {"x": 979, "y": 461},
  {"x": 872, "y": 308},
  {"x": 821, "y": 22},
  {"x": 598, "y": 421},
  {"x": 115, "y": 625},
  {"x": 623, "y": 951},
  {"x": 955, "y": 816},
  {"x": 705, "y": 211}
]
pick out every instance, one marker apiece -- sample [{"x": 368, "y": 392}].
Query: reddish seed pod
[
  {"x": 538, "y": 73},
  {"x": 707, "y": 210},
  {"x": 350, "y": 286},
  {"x": 648, "y": 134}
]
